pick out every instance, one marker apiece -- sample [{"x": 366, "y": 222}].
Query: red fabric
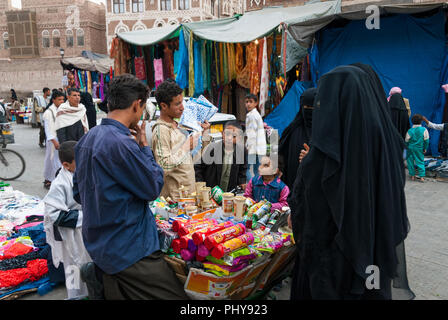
[
  {"x": 17, "y": 249},
  {"x": 34, "y": 271},
  {"x": 140, "y": 71}
]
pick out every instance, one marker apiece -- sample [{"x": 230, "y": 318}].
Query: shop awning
[
  {"x": 257, "y": 24},
  {"x": 89, "y": 61},
  {"x": 150, "y": 36}
]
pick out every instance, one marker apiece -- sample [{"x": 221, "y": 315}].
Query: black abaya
[
  {"x": 295, "y": 135},
  {"x": 399, "y": 114},
  {"x": 348, "y": 203}
]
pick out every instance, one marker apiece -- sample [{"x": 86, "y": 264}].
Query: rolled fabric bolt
[
  {"x": 216, "y": 238},
  {"x": 185, "y": 240},
  {"x": 175, "y": 244},
  {"x": 199, "y": 258},
  {"x": 187, "y": 255},
  {"x": 191, "y": 246},
  {"x": 203, "y": 251},
  {"x": 232, "y": 245},
  {"x": 184, "y": 230},
  {"x": 200, "y": 235}
]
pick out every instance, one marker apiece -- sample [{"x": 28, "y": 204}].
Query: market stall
[
  {"x": 223, "y": 245},
  {"x": 223, "y": 59},
  {"x": 23, "y": 247},
  {"x": 92, "y": 72}
]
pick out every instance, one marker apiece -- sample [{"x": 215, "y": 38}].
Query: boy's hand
[{"x": 205, "y": 126}]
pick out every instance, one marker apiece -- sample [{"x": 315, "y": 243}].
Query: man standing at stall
[
  {"x": 40, "y": 104},
  {"x": 171, "y": 144},
  {"x": 116, "y": 176}
]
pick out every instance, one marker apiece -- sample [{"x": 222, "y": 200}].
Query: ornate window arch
[
  {"x": 56, "y": 35},
  {"x": 139, "y": 26},
  {"x": 121, "y": 27},
  {"x": 80, "y": 37},
  {"x": 6, "y": 40},
  {"x": 173, "y": 22},
  {"x": 69, "y": 37},
  {"x": 159, "y": 23},
  {"x": 46, "y": 39}
]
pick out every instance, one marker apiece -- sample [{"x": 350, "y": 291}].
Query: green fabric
[
  {"x": 150, "y": 36},
  {"x": 415, "y": 159},
  {"x": 417, "y": 140},
  {"x": 209, "y": 64},
  {"x": 204, "y": 65}
]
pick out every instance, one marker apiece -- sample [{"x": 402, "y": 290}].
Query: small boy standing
[
  {"x": 63, "y": 224},
  {"x": 268, "y": 185},
  {"x": 256, "y": 136},
  {"x": 417, "y": 142}
]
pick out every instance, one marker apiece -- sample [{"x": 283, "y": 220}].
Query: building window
[
  {"x": 137, "y": 6},
  {"x": 80, "y": 37},
  {"x": 212, "y": 5},
  {"x": 69, "y": 38},
  {"x": 173, "y": 22},
  {"x": 119, "y": 6},
  {"x": 159, "y": 23},
  {"x": 45, "y": 39},
  {"x": 165, "y": 4},
  {"x": 184, "y": 4},
  {"x": 6, "y": 40},
  {"x": 56, "y": 39}
]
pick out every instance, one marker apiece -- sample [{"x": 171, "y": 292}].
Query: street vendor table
[
  {"x": 21, "y": 116},
  {"x": 251, "y": 283}
]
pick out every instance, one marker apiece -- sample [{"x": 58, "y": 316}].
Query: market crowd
[{"x": 340, "y": 168}]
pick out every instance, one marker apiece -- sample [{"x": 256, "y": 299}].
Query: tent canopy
[
  {"x": 257, "y": 24},
  {"x": 150, "y": 36},
  {"x": 89, "y": 61}
]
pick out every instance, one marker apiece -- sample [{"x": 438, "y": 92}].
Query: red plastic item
[
  {"x": 226, "y": 234},
  {"x": 200, "y": 235}
]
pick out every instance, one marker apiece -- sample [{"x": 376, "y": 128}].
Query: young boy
[
  {"x": 256, "y": 136},
  {"x": 63, "y": 224},
  {"x": 267, "y": 185},
  {"x": 170, "y": 145},
  {"x": 417, "y": 142}
]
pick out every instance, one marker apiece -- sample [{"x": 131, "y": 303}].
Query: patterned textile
[
  {"x": 264, "y": 85},
  {"x": 140, "y": 71},
  {"x": 197, "y": 110}
]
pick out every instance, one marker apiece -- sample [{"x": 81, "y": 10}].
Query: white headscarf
[{"x": 68, "y": 115}]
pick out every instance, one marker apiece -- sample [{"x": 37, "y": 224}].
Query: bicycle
[{"x": 12, "y": 164}]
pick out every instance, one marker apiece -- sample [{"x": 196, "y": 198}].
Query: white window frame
[
  {"x": 183, "y": 1},
  {"x": 80, "y": 33},
  {"x": 67, "y": 31},
  {"x": 143, "y": 6},
  {"x": 46, "y": 36}
]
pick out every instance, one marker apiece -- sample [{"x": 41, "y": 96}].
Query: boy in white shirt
[{"x": 256, "y": 136}]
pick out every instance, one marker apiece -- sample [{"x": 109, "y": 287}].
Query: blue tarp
[
  {"x": 406, "y": 52},
  {"x": 287, "y": 109}
]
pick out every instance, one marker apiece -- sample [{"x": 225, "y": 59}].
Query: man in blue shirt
[{"x": 115, "y": 178}]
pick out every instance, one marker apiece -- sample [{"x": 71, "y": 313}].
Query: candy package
[
  {"x": 271, "y": 242},
  {"x": 225, "y": 270}
]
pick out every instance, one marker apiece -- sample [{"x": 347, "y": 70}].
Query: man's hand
[
  {"x": 289, "y": 221},
  {"x": 191, "y": 142},
  {"x": 304, "y": 152},
  {"x": 243, "y": 186},
  {"x": 56, "y": 144},
  {"x": 426, "y": 120},
  {"x": 139, "y": 134}
]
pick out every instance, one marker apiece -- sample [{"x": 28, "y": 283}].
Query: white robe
[
  {"x": 52, "y": 163},
  {"x": 71, "y": 250}
]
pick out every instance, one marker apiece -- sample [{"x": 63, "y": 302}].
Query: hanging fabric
[
  {"x": 208, "y": 54},
  {"x": 89, "y": 82},
  {"x": 253, "y": 67},
  {"x": 158, "y": 72},
  {"x": 198, "y": 76},
  {"x": 140, "y": 67},
  {"x": 221, "y": 65},
  {"x": 75, "y": 72},
  {"x": 264, "y": 84},
  {"x": 191, "y": 83},
  {"x": 217, "y": 64},
  {"x": 182, "y": 77},
  {"x": 239, "y": 60},
  {"x": 204, "y": 65}
]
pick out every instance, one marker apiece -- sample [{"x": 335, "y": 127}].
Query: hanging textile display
[
  {"x": 182, "y": 77},
  {"x": 204, "y": 65},
  {"x": 198, "y": 76},
  {"x": 140, "y": 67},
  {"x": 253, "y": 67},
  {"x": 239, "y": 60},
  {"x": 191, "y": 67},
  {"x": 120, "y": 53},
  {"x": 243, "y": 77},
  {"x": 158, "y": 71},
  {"x": 264, "y": 84},
  {"x": 208, "y": 70},
  {"x": 168, "y": 60}
]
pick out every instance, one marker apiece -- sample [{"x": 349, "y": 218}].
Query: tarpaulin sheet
[
  {"x": 150, "y": 36},
  {"x": 286, "y": 111},
  {"x": 406, "y": 52}
]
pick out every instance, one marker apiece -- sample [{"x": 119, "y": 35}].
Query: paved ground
[{"x": 426, "y": 246}]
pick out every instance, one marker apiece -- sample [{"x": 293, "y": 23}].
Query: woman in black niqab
[
  {"x": 348, "y": 202},
  {"x": 399, "y": 114},
  {"x": 295, "y": 135}
]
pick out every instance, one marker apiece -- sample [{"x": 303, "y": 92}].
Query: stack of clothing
[
  {"x": 23, "y": 247},
  {"x": 437, "y": 168}
]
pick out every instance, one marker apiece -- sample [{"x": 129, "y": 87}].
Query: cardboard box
[
  {"x": 278, "y": 262},
  {"x": 215, "y": 287},
  {"x": 178, "y": 265}
]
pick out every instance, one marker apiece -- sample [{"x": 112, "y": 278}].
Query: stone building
[{"x": 31, "y": 39}]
